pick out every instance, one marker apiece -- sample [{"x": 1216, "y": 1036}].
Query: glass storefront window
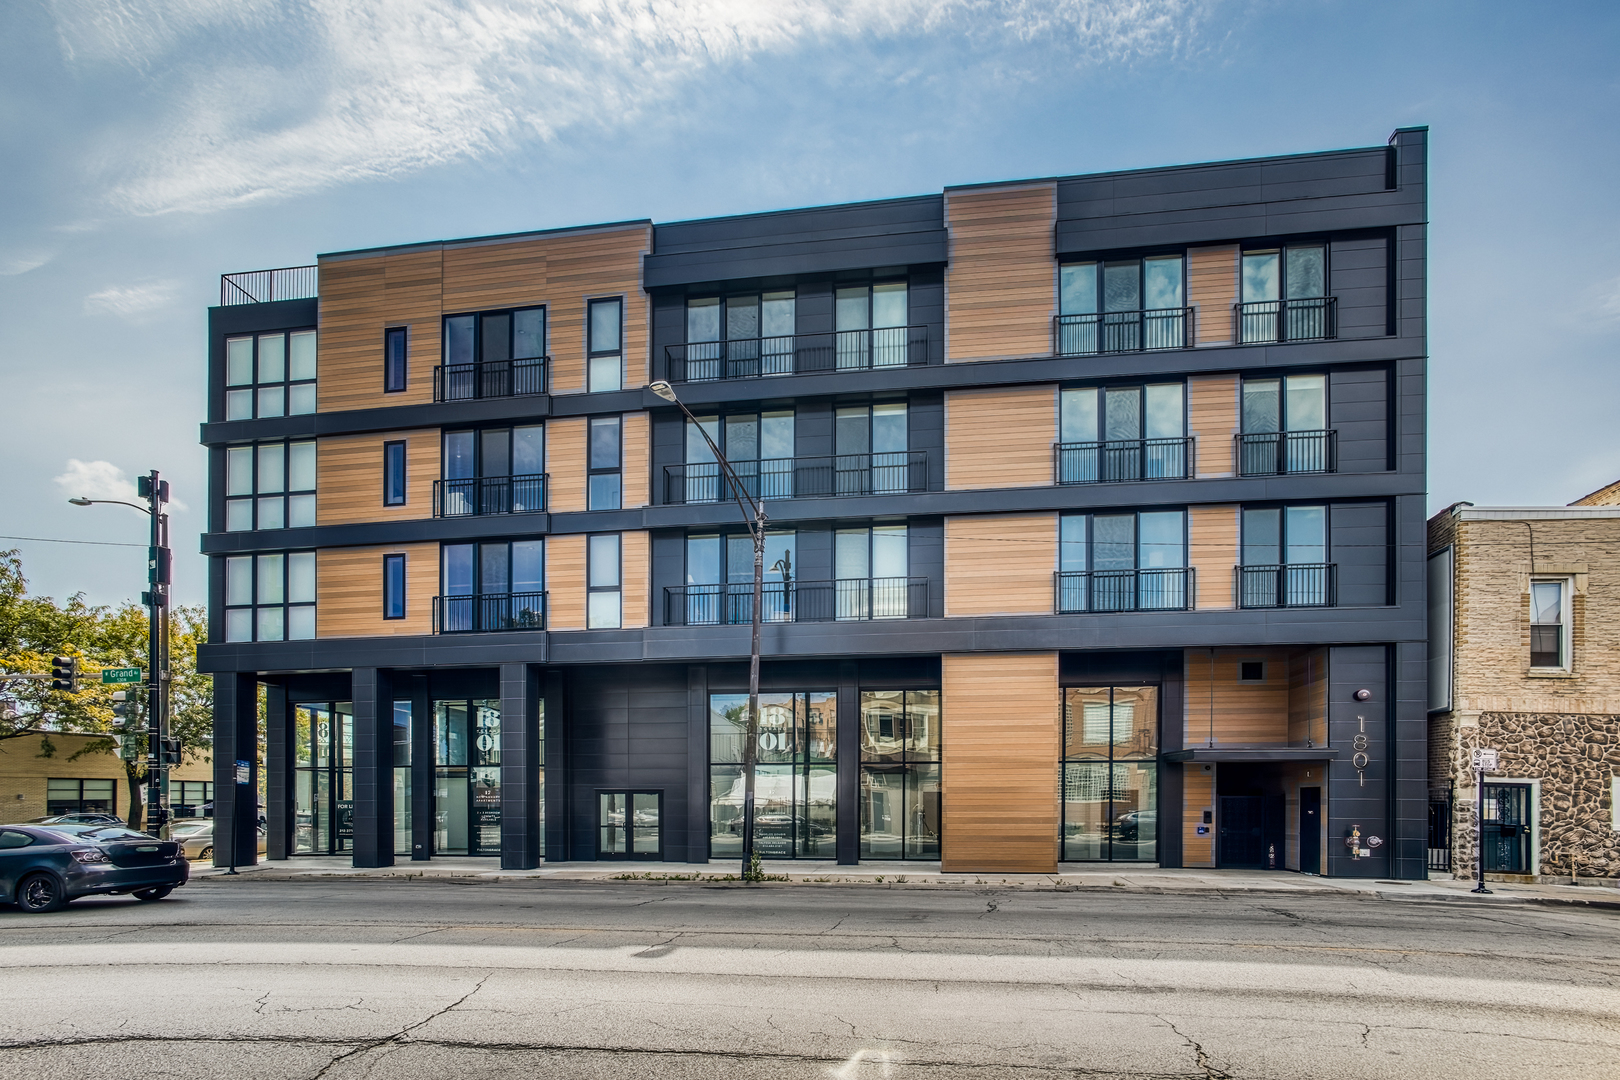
[
  {"x": 900, "y": 774},
  {"x": 402, "y": 778},
  {"x": 795, "y": 778},
  {"x": 1110, "y": 773},
  {"x": 467, "y": 777},
  {"x": 323, "y": 778}
]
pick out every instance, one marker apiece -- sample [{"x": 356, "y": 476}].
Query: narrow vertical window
[
  {"x": 605, "y": 463},
  {"x": 605, "y": 333},
  {"x": 394, "y": 474},
  {"x": 1547, "y": 624},
  {"x": 394, "y": 356},
  {"x": 393, "y": 586},
  {"x": 603, "y": 583}
]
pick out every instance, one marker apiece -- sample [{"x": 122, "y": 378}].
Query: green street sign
[{"x": 120, "y": 675}]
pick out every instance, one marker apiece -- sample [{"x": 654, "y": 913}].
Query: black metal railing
[
  {"x": 490, "y": 379},
  {"x": 1124, "y": 590},
  {"x": 266, "y": 286},
  {"x": 489, "y": 611},
  {"x": 1122, "y": 459},
  {"x": 732, "y": 603},
  {"x": 490, "y": 495},
  {"x": 798, "y": 354},
  {"x": 1274, "y": 453},
  {"x": 1439, "y": 847},
  {"x": 1297, "y": 585},
  {"x": 1274, "y": 321},
  {"x": 799, "y": 478},
  {"x": 1122, "y": 331}
]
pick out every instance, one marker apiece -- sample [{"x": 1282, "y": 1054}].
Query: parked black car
[{"x": 44, "y": 867}]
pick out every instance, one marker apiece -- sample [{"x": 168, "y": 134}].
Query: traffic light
[
  {"x": 120, "y": 705},
  {"x": 65, "y": 674},
  {"x": 171, "y": 751}
]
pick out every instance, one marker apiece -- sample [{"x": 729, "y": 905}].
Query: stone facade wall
[{"x": 1575, "y": 756}]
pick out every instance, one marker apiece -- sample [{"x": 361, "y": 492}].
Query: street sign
[
  {"x": 1484, "y": 760},
  {"x": 244, "y": 773},
  {"x": 114, "y": 675}
]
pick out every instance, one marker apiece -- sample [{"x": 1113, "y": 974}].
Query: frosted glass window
[
  {"x": 272, "y": 358},
  {"x": 272, "y": 401},
  {"x": 1306, "y": 271},
  {"x": 272, "y": 468},
  {"x": 301, "y": 466},
  {"x": 889, "y": 551},
  {"x": 270, "y": 579},
  {"x": 301, "y": 577},
  {"x": 604, "y": 560},
  {"x": 851, "y": 308},
  {"x": 239, "y": 470},
  {"x": 239, "y": 580},
  {"x": 889, "y": 304},
  {"x": 301, "y": 623},
  {"x": 852, "y": 554},
  {"x": 300, "y": 511},
  {"x": 301, "y": 399},
  {"x": 239, "y": 361},
  {"x": 272, "y": 513},
  {"x": 1078, "y": 420},
  {"x": 1077, "y": 289},
  {"x": 272, "y": 623},
  {"x": 301, "y": 355}
]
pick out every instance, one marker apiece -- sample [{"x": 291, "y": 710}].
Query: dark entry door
[
  {"x": 1242, "y": 827},
  {"x": 1507, "y": 828},
  {"x": 1310, "y": 830},
  {"x": 629, "y": 825}
]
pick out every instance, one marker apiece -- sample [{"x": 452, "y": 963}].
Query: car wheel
[
  {"x": 39, "y": 894},
  {"x": 153, "y": 894},
  {"x": 205, "y": 854}
]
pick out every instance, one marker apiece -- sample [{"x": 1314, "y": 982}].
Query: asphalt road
[{"x": 396, "y": 979}]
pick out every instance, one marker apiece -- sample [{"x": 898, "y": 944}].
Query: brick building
[
  {"x": 41, "y": 775},
  {"x": 1524, "y": 658}
]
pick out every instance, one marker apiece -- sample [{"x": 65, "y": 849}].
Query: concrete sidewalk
[{"x": 1147, "y": 879}]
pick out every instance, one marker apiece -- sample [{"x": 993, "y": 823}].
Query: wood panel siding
[
  {"x": 636, "y": 451},
  {"x": 349, "y": 591},
  {"x": 1197, "y": 796},
  {"x": 565, "y": 464},
  {"x": 1000, "y": 716},
  {"x": 635, "y": 562},
  {"x": 565, "y": 582},
  {"x": 1000, "y": 438},
  {"x": 349, "y": 477},
  {"x": 1212, "y": 419},
  {"x": 363, "y": 295},
  {"x": 1212, "y": 289},
  {"x": 1212, "y": 534},
  {"x": 1222, "y": 709},
  {"x": 1000, "y": 564},
  {"x": 1001, "y": 282},
  {"x": 1307, "y": 698}
]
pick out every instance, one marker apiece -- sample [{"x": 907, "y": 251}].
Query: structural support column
[
  {"x": 521, "y": 823},
  {"x": 423, "y": 772},
  {"x": 849, "y": 764},
  {"x": 373, "y": 697},
  {"x": 236, "y": 739}
]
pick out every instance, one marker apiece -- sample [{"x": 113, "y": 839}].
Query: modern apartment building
[{"x": 1096, "y": 511}]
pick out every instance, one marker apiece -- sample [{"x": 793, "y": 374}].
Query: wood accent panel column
[
  {"x": 1213, "y": 535},
  {"x": 635, "y": 565},
  {"x": 565, "y": 464},
  {"x": 1197, "y": 796},
  {"x": 636, "y": 452},
  {"x": 1000, "y": 438},
  {"x": 1000, "y": 564},
  {"x": 565, "y": 582},
  {"x": 359, "y": 299},
  {"x": 1212, "y": 289},
  {"x": 1000, "y": 715},
  {"x": 588, "y": 266},
  {"x": 1212, "y": 418},
  {"x": 349, "y": 591},
  {"x": 349, "y": 477},
  {"x": 1243, "y": 713},
  {"x": 1001, "y": 284}
]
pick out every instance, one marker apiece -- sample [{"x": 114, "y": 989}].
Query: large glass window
[
  {"x": 1110, "y": 778},
  {"x": 1121, "y": 305},
  {"x": 759, "y": 446},
  {"x": 900, "y": 774},
  {"x": 493, "y": 471},
  {"x": 270, "y": 375},
  {"x": 1285, "y": 426},
  {"x": 270, "y": 486},
  {"x": 720, "y": 578},
  {"x": 270, "y": 597},
  {"x": 629, "y": 825},
  {"x": 739, "y": 335},
  {"x": 870, "y": 566},
  {"x": 606, "y": 463},
  {"x": 604, "y": 607},
  {"x": 81, "y": 796},
  {"x": 492, "y": 585},
  {"x": 1284, "y": 294},
  {"x": 1123, "y": 562},
  {"x": 795, "y": 777},
  {"x": 1285, "y": 556},
  {"x": 493, "y": 354},
  {"x": 606, "y": 357},
  {"x": 1122, "y": 433},
  {"x": 870, "y": 321},
  {"x": 871, "y": 444},
  {"x": 323, "y": 778},
  {"x": 467, "y": 777}
]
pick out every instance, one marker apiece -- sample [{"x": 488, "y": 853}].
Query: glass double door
[
  {"x": 467, "y": 777},
  {"x": 629, "y": 825},
  {"x": 323, "y": 778}
]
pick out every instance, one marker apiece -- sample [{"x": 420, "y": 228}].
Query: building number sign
[{"x": 1359, "y": 744}]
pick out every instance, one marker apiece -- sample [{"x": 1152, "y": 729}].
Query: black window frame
[
  {"x": 396, "y": 359},
  {"x": 59, "y": 806},
  {"x": 253, "y": 387},
  {"x": 395, "y": 586},
  {"x": 905, "y": 763},
  {"x": 592, "y": 470},
  {"x": 396, "y": 473},
  {"x": 285, "y": 604},
  {"x": 630, "y": 854},
  {"x": 593, "y": 351},
  {"x": 1070, "y": 757},
  {"x": 1102, "y": 259},
  {"x": 286, "y": 494},
  {"x": 1260, "y": 247},
  {"x": 617, "y": 588}
]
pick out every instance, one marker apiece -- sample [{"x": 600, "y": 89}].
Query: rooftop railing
[
  {"x": 798, "y": 354},
  {"x": 267, "y": 286}
]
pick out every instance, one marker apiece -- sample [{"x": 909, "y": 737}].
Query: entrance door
[
  {"x": 1310, "y": 830},
  {"x": 1241, "y": 829},
  {"x": 1507, "y": 828},
  {"x": 629, "y": 825}
]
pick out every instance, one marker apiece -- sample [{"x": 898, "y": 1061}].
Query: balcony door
[
  {"x": 1123, "y": 562},
  {"x": 493, "y": 585},
  {"x": 1285, "y": 557},
  {"x": 739, "y": 335},
  {"x": 870, "y": 448},
  {"x": 493, "y": 471},
  {"x": 1122, "y": 433},
  {"x": 871, "y": 567}
]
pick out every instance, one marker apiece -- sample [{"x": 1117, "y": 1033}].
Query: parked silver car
[{"x": 196, "y": 838}]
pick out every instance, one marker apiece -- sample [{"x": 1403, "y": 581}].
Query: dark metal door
[
  {"x": 1507, "y": 828},
  {"x": 1242, "y": 842},
  {"x": 1310, "y": 830}
]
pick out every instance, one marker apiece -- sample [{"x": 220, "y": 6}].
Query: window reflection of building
[
  {"x": 467, "y": 777},
  {"x": 1110, "y": 775},
  {"x": 900, "y": 774},
  {"x": 323, "y": 778},
  {"x": 795, "y": 775}
]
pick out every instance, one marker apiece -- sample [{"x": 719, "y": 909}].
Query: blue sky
[{"x": 146, "y": 147}]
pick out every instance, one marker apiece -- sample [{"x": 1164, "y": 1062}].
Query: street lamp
[
  {"x": 155, "y": 491},
  {"x": 753, "y": 511}
]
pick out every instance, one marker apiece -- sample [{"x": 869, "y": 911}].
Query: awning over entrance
[{"x": 1253, "y": 753}]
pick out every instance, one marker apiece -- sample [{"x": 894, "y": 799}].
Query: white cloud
[
  {"x": 372, "y": 89},
  {"x": 1609, "y": 301},
  {"x": 129, "y": 301},
  {"x": 101, "y": 480},
  {"x": 22, "y": 262}
]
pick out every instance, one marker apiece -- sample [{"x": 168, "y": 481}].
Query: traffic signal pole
[{"x": 156, "y": 492}]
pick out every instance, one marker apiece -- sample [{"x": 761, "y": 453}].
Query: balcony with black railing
[
  {"x": 1122, "y": 459},
  {"x": 798, "y": 354},
  {"x": 846, "y": 599},
  {"x": 1082, "y": 592},
  {"x": 490, "y": 379},
  {"x": 896, "y": 473},
  {"x": 1281, "y": 453},
  {"x": 490, "y": 495},
  {"x": 1266, "y": 322},
  {"x": 1296, "y": 585},
  {"x": 1122, "y": 331},
  {"x": 489, "y": 612}
]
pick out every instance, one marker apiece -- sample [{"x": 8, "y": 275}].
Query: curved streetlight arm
[
  {"x": 753, "y": 510},
  {"x": 109, "y": 502}
]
